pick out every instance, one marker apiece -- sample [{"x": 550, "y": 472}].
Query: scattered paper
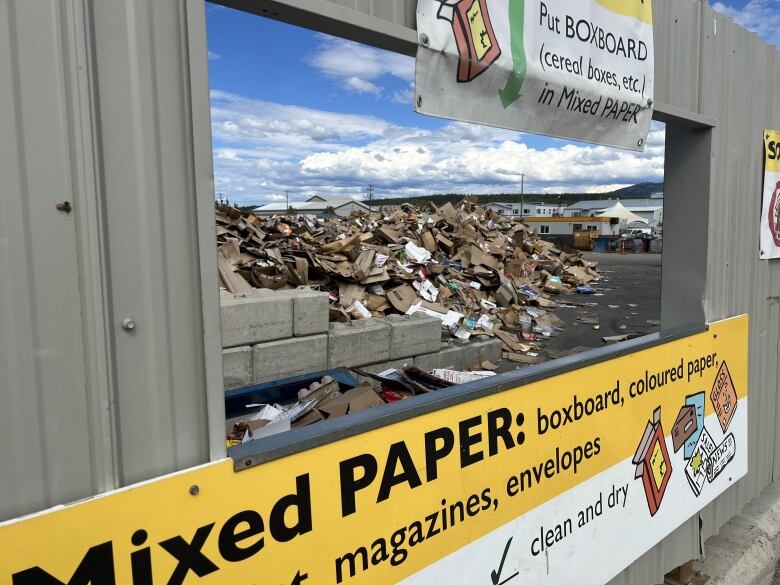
[{"x": 457, "y": 377}]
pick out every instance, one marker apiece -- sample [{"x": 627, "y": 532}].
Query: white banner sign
[
  {"x": 770, "y": 210},
  {"x": 577, "y": 69}
]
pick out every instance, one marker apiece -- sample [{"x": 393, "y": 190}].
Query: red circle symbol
[{"x": 774, "y": 215}]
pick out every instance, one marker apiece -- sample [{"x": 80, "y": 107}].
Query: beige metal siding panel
[
  {"x": 676, "y": 32},
  {"x": 149, "y": 188},
  {"x": 673, "y": 551},
  {"x": 401, "y": 12},
  {"x": 737, "y": 91},
  {"x": 44, "y": 430}
]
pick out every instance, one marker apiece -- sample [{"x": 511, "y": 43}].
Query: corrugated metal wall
[
  {"x": 43, "y": 404},
  {"x": 740, "y": 82},
  {"x": 100, "y": 108},
  {"x": 104, "y": 104}
]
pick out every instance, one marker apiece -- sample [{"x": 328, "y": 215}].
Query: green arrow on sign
[{"x": 511, "y": 91}]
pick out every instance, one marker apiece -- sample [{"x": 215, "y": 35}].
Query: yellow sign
[
  {"x": 772, "y": 151},
  {"x": 381, "y": 506},
  {"x": 641, "y": 9}
]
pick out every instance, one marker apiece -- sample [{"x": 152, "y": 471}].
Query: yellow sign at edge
[
  {"x": 293, "y": 516},
  {"x": 641, "y": 9},
  {"x": 772, "y": 151}
]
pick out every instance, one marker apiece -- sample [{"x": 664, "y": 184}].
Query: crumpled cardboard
[{"x": 455, "y": 258}]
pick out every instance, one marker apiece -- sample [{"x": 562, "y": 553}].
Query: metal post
[{"x": 522, "y": 195}]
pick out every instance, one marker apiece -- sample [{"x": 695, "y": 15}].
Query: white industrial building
[
  {"x": 651, "y": 210},
  {"x": 566, "y": 226},
  {"x": 527, "y": 209},
  {"x": 609, "y": 222},
  {"x": 317, "y": 206}
]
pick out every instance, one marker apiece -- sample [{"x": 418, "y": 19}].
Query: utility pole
[
  {"x": 522, "y": 195},
  {"x": 370, "y": 194},
  {"x": 287, "y": 199}
]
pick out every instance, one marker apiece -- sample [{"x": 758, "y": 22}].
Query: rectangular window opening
[{"x": 338, "y": 209}]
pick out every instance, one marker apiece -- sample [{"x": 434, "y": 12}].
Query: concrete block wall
[
  {"x": 256, "y": 317},
  {"x": 358, "y": 343},
  {"x": 270, "y": 335}
]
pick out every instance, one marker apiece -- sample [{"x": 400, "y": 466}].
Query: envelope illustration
[{"x": 697, "y": 401}]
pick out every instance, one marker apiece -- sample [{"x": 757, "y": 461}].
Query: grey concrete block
[
  {"x": 450, "y": 357},
  {"x": 746, "y": 551},
  {"x": 358, "y": 343},
  {"x": 237, "y": 367},
  {"x": 289, "y": 357},
  {"x": 310, "y": 311},
  {"x": 412, "y": 335},
  {"x": 483, "y": 349},
  {"x": 256, "y": 317}
]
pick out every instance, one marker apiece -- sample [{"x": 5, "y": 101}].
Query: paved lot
[{"x": 631, "y": 279}]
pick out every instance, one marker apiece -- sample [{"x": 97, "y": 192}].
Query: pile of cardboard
[
  {"x": 479, "y": 272},
  {"x": 324, "y": 400}
]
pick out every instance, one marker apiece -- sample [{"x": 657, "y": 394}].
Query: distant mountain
[{"x": 640, "y": 190}]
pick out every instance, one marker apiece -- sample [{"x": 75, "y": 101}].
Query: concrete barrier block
[
  {"x": 484, "y": 349},
  {"x": 358, "y": 343},
  {"x": 450, "y": 357},
  {"x": 289, "y": 357},
  {"x": 256, "y": 317},
  {"x": 310, "y": 312},
  {"x": 237, "y": 367},
  {"x": 412, "y": 335}
]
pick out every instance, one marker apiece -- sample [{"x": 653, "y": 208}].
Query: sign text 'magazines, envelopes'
[
  {"x": 578, "y": 69},
  {"x": 599, "y": 463}
]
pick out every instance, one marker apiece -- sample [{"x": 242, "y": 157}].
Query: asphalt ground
[{"x": 628, "y": 295}]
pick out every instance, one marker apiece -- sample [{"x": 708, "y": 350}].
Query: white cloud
[
  {"x": 362, "y": 86},
  {"x": 606, "y": 188},
  {"x": 759, "y": 16},
  {"x": 255, "y": 123},
  {"x": 214, "y": 56},
  {"x": 361, "y": 68},
  {"x": 403, "y": 96},
  {"x": 263, "y": 148},
  {"x": 342, "y": 59},
  {"x": 225, "y": 154}
]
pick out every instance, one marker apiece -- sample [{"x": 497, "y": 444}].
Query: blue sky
[{"x": 300, "y": 111}]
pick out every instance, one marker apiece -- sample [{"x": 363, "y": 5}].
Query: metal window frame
[{"x": 682, "y": 289}]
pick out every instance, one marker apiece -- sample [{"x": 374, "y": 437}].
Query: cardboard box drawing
[
  {"x": 684, "y": 426},
  {"x": 477, "y": 44},
  {"x": 652, "y": 462},
  {"x": 724, "y": 397}
]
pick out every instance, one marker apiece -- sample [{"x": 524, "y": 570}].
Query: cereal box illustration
[
  {"x": 477, "y": 44},
  {"x": 724, "y": 397},
  {"x": 652, "y": 462}
]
